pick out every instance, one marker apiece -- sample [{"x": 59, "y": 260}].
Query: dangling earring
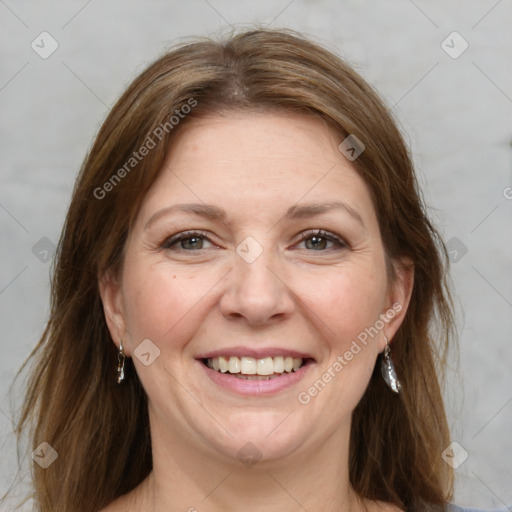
[
  {"x": 388, "y": 370},
  {"x": 120, "y": 363}
]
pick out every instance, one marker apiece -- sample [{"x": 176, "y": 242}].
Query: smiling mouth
[{"x": 250, "y": 368}]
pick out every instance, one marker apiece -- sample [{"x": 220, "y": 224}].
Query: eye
[
  {"x": 188, "y": 241},
  {"x": 319, "y": 240},
  {"x": 315, "y": 240}
]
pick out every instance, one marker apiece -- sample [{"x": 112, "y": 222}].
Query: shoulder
[
  {"x": 112, "y": 507},
  {"x": 133, "y": 500},
  {"x": 381, "y": 506},
  {"x": 120, "y": 504}
]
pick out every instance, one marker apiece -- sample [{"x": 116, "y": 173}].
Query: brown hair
[{"x": 73, "y": 401}]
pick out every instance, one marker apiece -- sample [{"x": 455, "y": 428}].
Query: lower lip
[{"x": 256, "y": 387}]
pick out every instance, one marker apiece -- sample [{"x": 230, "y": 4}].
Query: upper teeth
[{"x": 252, "y": 366}]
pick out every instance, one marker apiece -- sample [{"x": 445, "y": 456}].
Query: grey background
[{"x": 456, "y": 114}]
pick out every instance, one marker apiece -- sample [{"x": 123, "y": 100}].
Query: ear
[
  {"x": 398, "y": 299},
  {"x": 113, "y": 308}
]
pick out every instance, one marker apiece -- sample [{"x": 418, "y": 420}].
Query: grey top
[{"x": 455, "y": 508}]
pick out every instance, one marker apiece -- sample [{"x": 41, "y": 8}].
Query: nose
[{"x": 257, "y": 292}]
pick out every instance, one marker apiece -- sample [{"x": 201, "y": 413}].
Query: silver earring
[
  {"x": 388, "y": 370},
  {"x": 120, "y": 363}
]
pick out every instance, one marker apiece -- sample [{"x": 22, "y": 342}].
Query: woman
[{"x": 244, "y": 299}]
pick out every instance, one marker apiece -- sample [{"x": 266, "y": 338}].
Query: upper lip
[{"x": 256, "y": 353}]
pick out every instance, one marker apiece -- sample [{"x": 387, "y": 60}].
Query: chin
[{"x": 257, "y": 437}]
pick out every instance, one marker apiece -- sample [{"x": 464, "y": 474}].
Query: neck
[{"x": 185, "y": 480}]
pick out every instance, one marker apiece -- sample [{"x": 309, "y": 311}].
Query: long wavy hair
[{"x": 100, "y": 430}]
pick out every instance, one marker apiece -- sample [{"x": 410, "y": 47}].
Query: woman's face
[{"x": 253, "y": 327}]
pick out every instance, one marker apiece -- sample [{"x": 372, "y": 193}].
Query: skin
[{"x": 190, "y": 299}]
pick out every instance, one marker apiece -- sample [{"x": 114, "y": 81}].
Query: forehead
[
  {"x": 257, "y": 162},
  {"x": 255, "y": 138}
]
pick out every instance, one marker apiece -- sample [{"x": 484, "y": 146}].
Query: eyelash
[{"x": 185, "y": 235}]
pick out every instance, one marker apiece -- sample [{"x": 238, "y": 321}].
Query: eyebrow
[{"x": 212, "y": 212}]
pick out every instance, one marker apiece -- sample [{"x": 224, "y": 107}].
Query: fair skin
[{"x": 309, "y": 297}]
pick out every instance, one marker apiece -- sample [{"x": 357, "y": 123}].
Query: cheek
[
  {"x": 346, "y": 303},
  {"x": 348, "y": 306},
  {"x": 160, "y": 303}
]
